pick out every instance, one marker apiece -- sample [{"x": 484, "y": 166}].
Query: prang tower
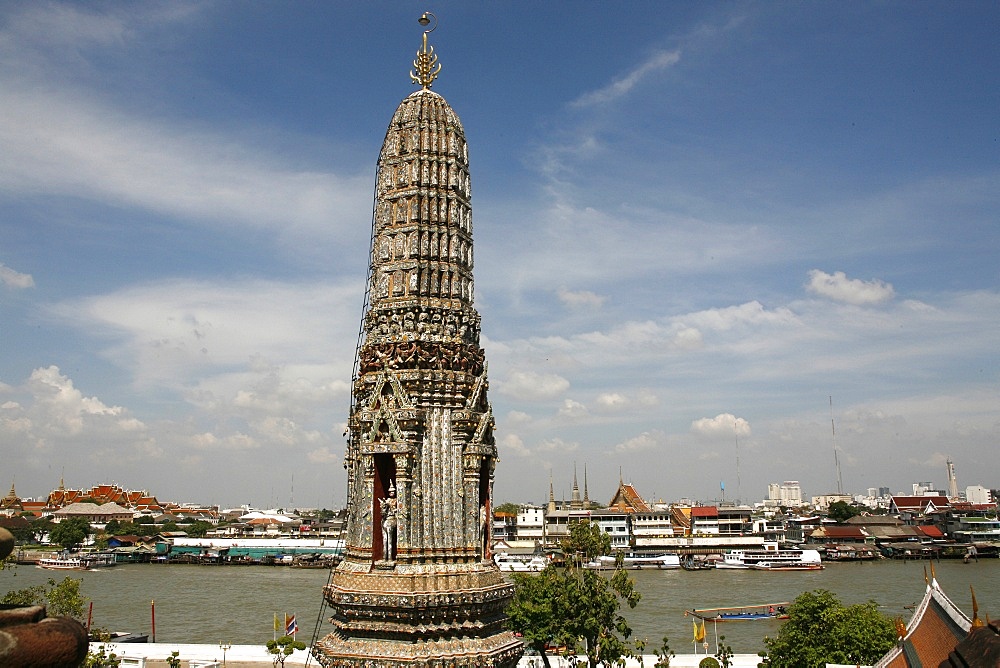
[{"x": 417, "y": 585}]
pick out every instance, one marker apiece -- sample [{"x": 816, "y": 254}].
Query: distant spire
[
  {"x": 426, "y": 63},
  {"x": 552, "y": 495},
  {"x": 575, "y": 500},
  {"x": 586, "y": 495}
]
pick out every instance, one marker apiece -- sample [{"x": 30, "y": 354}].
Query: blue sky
[{"x": 694, "y": 224}]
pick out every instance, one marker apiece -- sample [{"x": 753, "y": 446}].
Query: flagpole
[{"x": 152, "y": 616}]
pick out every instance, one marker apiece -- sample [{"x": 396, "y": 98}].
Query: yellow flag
[
  {"x": 277, "y": 625},
  {"x": 695, "y": 623},
  {"x": 699, "y": 632}
]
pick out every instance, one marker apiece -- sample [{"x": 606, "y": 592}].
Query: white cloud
[
  {"x": 572, "y": 409},
  {"x": 234, "y": 441},
  {"x": 580, "y": 298},
  {"x": 557, "y": 445},
  {"x": 518, "y": 417},
  {"x": 611, "y": 400},
  {"x": 660, "y": 60},
  {"x": 725, "y": 424},
  {"x": 838, "y": 287},
  {"x": 647, "y": 440},
  {"x": 322, "y": 456},
  {"x": 513, "y": 444},
  {"x": 528, "y": 385},
  {"x": 15, "y": 279},
  {"x": 181, "y": 333}
]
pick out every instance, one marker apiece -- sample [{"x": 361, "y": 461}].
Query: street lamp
[{"x": 225, "y": 647}]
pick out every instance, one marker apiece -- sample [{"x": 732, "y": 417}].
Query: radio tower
[{"x": 836, "y": 455}]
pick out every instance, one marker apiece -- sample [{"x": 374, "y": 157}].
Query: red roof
[
  {"x": 704, "y": 511},
  {"x": 930, "y": 531}
]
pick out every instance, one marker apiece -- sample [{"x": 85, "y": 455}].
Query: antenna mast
[
  {"x": 739, "y": 489},
  {"x": 836, "y": 455}
]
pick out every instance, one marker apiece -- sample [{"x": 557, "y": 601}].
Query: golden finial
[
  {"x": 976, "y": 622},
  {"x": 900, "y": 627},
  {"x": 926, "y": 579},
  {"x": 426, "y": 63}
]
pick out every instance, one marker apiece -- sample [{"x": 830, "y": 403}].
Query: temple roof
[{"x": 939, "y": 634}]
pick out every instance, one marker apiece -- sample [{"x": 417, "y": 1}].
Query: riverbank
[
  {"x": 207, "y": 604},
  {"x": 255, "y": 656}
]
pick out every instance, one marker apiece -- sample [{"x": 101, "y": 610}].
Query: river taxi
[{"x": 744, "y": 613}]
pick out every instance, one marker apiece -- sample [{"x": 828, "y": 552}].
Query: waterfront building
[
  {"x": 704, "y": 521},
  {"x": 616, "y": 524},
  {"x": 530, "y": 525},
  {"x": 653, "y": 529},
  {"x": 94, "y": 513},
  {"x": 417, "y": 584}
]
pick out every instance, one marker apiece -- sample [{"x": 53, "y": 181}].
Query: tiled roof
[
  {"x": 936, "y": 627},
  {"x": 627, "y": 499},
  {"x": 704, "y": 511}
]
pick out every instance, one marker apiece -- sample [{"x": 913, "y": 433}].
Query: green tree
[
  {"x": 282, "y": 648},
  {"x": 41, "y": 526},
  {"x": 841, "y": 511},
  {"x": 535, "y": 611},
  {"x": 821, "y": 630},
  {"x": 102, "y": 658},
  {"x": 60, "y": 599},
  {"x": 198, "y": 529},
  {"x": 577, "y": 607},
  {"x": 508, "y": 508},
  {"x": 70, "y": 532}
]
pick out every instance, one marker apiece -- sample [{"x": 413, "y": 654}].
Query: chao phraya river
[{"x": 236, "y": 604}]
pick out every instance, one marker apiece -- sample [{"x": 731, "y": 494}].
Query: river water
[{"x": 237, "y": 604}]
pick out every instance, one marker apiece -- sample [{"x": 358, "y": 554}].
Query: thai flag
[{"x": 291, "y": 627}]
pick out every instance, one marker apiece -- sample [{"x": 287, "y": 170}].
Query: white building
[
  {"x": 978, "y": 494},
  {"x": 530, "y": 524},
  {"x": 788, "y": 493}
]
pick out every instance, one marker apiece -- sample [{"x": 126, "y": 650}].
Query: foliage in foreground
[
  {"x": 576, "y": 608},
  {"x": 821, "y": 630},
  {"x": 282, "y": 648},
  {"x": 60, "y": 599}
]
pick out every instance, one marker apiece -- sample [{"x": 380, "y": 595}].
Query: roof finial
[{"x": 426, "y": 63}]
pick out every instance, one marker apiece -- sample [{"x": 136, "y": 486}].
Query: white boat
[
  {"x": 636, "y": 561},
  {"x": 86, "y": 562},
  {"x": 520, "y": 563},
  {"x": 790, "y": 566},
  {"x": 62, "y": 564},
  {"x": 772, "y": 555}
]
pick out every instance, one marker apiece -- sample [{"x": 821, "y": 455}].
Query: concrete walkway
[{"x": 154, "y": 655}]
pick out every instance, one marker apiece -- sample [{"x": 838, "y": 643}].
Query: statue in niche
[
  {"x": 483, "y": 533},
  {"x": 389, "y": 507}
]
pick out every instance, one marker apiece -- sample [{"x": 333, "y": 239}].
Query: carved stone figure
[{"x": 389, "y": 507}]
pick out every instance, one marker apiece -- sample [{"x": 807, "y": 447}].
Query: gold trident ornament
[{"x": 425, "y": 65}]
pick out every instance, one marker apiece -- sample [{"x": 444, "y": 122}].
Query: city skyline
[{"x": 705, "y": 235}]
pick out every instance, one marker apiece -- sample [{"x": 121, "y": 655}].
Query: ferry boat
[
  {"x": 777, "y": 566},
  {"x": 62, "y": 564},
  {"x": 520, "y": 563},
  {"x": 636, "y": 561},
  {"x": 85, "y": 562},
  {"x": 744, "y": 613},
  {"x": 772, "y": 554}
]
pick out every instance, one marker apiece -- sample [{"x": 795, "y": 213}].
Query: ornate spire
[{"x": 426, "y": 63}]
